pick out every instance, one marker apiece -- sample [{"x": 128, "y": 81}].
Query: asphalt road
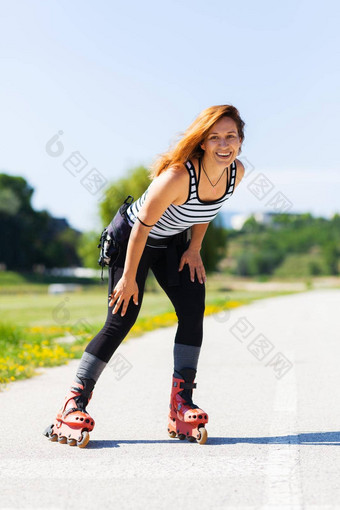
[{"x": 268, "y": 378}]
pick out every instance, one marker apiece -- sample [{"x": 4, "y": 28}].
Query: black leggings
[{"x": 188, "y": 299}]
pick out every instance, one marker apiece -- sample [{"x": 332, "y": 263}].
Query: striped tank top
[{"x": 177, "y": 218}]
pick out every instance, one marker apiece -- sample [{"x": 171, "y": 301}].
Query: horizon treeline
[{"x": 291, "y": 245}]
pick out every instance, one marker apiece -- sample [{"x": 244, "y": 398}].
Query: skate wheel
[
  {"x": 72, "y": 442},
  {"x": 53, "y": 438},
  {"x": 48, "y": 431},
  {"x": 85, "y": 438},
  {"x": 181, "y": 436},
  {"x": 172, "y": 434},
  {"x": 62, "y": 440},
  {"x": 191, "y": 439},
  {"x": 203, "y": 436}
]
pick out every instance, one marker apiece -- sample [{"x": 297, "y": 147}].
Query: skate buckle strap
[{"x": 187, "y": 385}]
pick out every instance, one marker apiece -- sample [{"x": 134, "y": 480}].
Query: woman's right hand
[{"x": 122, "y": 293}]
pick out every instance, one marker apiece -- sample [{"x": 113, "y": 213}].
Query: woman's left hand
[{"x": 193, "y": 259}]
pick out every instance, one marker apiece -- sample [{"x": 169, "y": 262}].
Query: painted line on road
[{"x": 283, "y": 478}]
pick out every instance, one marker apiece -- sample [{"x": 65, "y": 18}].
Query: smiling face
[{"x": 222, "y": 143}]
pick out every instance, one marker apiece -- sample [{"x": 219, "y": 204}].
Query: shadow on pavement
[
  {"x": 315, "y": 438},
  {"x": 108, "y": 443},
  {"x": 311, "y": 438}
]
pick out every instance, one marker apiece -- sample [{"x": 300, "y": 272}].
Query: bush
[{"x": 300, "y": 265}]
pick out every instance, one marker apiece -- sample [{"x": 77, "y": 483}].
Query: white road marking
[{"x": 283, "y": 479}]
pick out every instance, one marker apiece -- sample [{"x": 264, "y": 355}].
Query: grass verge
[
  {"x": 36, "y": 336},
  {"x": 26, "y": 349}
]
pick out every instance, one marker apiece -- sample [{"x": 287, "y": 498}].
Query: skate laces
[
  {"x": 80, "y": 403},
  {"x": 82, "y": 395},
  {"x": 81, "y": 392},
  {"x": 80, "y": 398}
]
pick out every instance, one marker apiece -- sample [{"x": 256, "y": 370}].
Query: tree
[
  {"x": 251, "y": 225},
  {"x": 302, "y": 245},
  {"x": 214, "y": 245},
  {"x": 29, "y": 237},
  {"x": 18, "y": 189},
  {"x": 331, "y": 253},
  {"x": 87, "y": 249},
  {"x": 134, "y": 184}
]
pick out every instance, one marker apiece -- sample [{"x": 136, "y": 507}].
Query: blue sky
[{"x": 122, "y": 80}]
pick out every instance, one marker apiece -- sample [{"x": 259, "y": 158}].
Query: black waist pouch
[{"x": 114, "y": 235}]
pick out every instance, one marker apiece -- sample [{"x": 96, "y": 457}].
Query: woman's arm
[
  {"x": 192, "y": 255},
  {"x": 165, "y": 189},
  {"x": 197, "y": 234}
]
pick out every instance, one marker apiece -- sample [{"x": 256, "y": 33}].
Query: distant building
[{"x": 237, "y": 220}]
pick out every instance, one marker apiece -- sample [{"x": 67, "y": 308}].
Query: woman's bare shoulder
[
  {"x": 175, "y": 181},
  {"x": 176, "y": 173},
  {"x": 179, "y": 169}
]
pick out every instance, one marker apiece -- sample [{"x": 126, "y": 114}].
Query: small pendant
[{"x": 214, "y": 190}]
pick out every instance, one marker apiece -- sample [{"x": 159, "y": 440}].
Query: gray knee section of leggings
[{"x": 90, "y": 367}]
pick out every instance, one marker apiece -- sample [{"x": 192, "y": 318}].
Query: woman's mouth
[{"x": 223, "y": 155}]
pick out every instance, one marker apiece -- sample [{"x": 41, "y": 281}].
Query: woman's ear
[{"x": 202, "y": 145}]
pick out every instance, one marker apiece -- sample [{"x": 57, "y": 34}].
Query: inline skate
[
  {"x": 186, "y": 420},
  {"x": 73, "y": 424}
]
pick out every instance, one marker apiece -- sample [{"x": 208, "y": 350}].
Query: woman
[{"x": 167, "y": 226}]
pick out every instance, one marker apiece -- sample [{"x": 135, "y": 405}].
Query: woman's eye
[{"x": 216, "y": 137}]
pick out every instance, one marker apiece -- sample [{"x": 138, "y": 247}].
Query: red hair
[{"x": 189, "y": 145}]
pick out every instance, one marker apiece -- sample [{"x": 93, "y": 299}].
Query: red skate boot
[
  {"x": 73, "y": 423},
  {"x": 186, "y": 420}
]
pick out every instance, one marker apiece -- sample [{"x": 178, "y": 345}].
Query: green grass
[
  {"x": 42, "y": 309},
  {"x": 27, "y": 283},
  {"x": 34, "y": 323}
]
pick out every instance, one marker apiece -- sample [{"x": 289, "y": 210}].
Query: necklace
[{"x": 218, "y": 180}]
